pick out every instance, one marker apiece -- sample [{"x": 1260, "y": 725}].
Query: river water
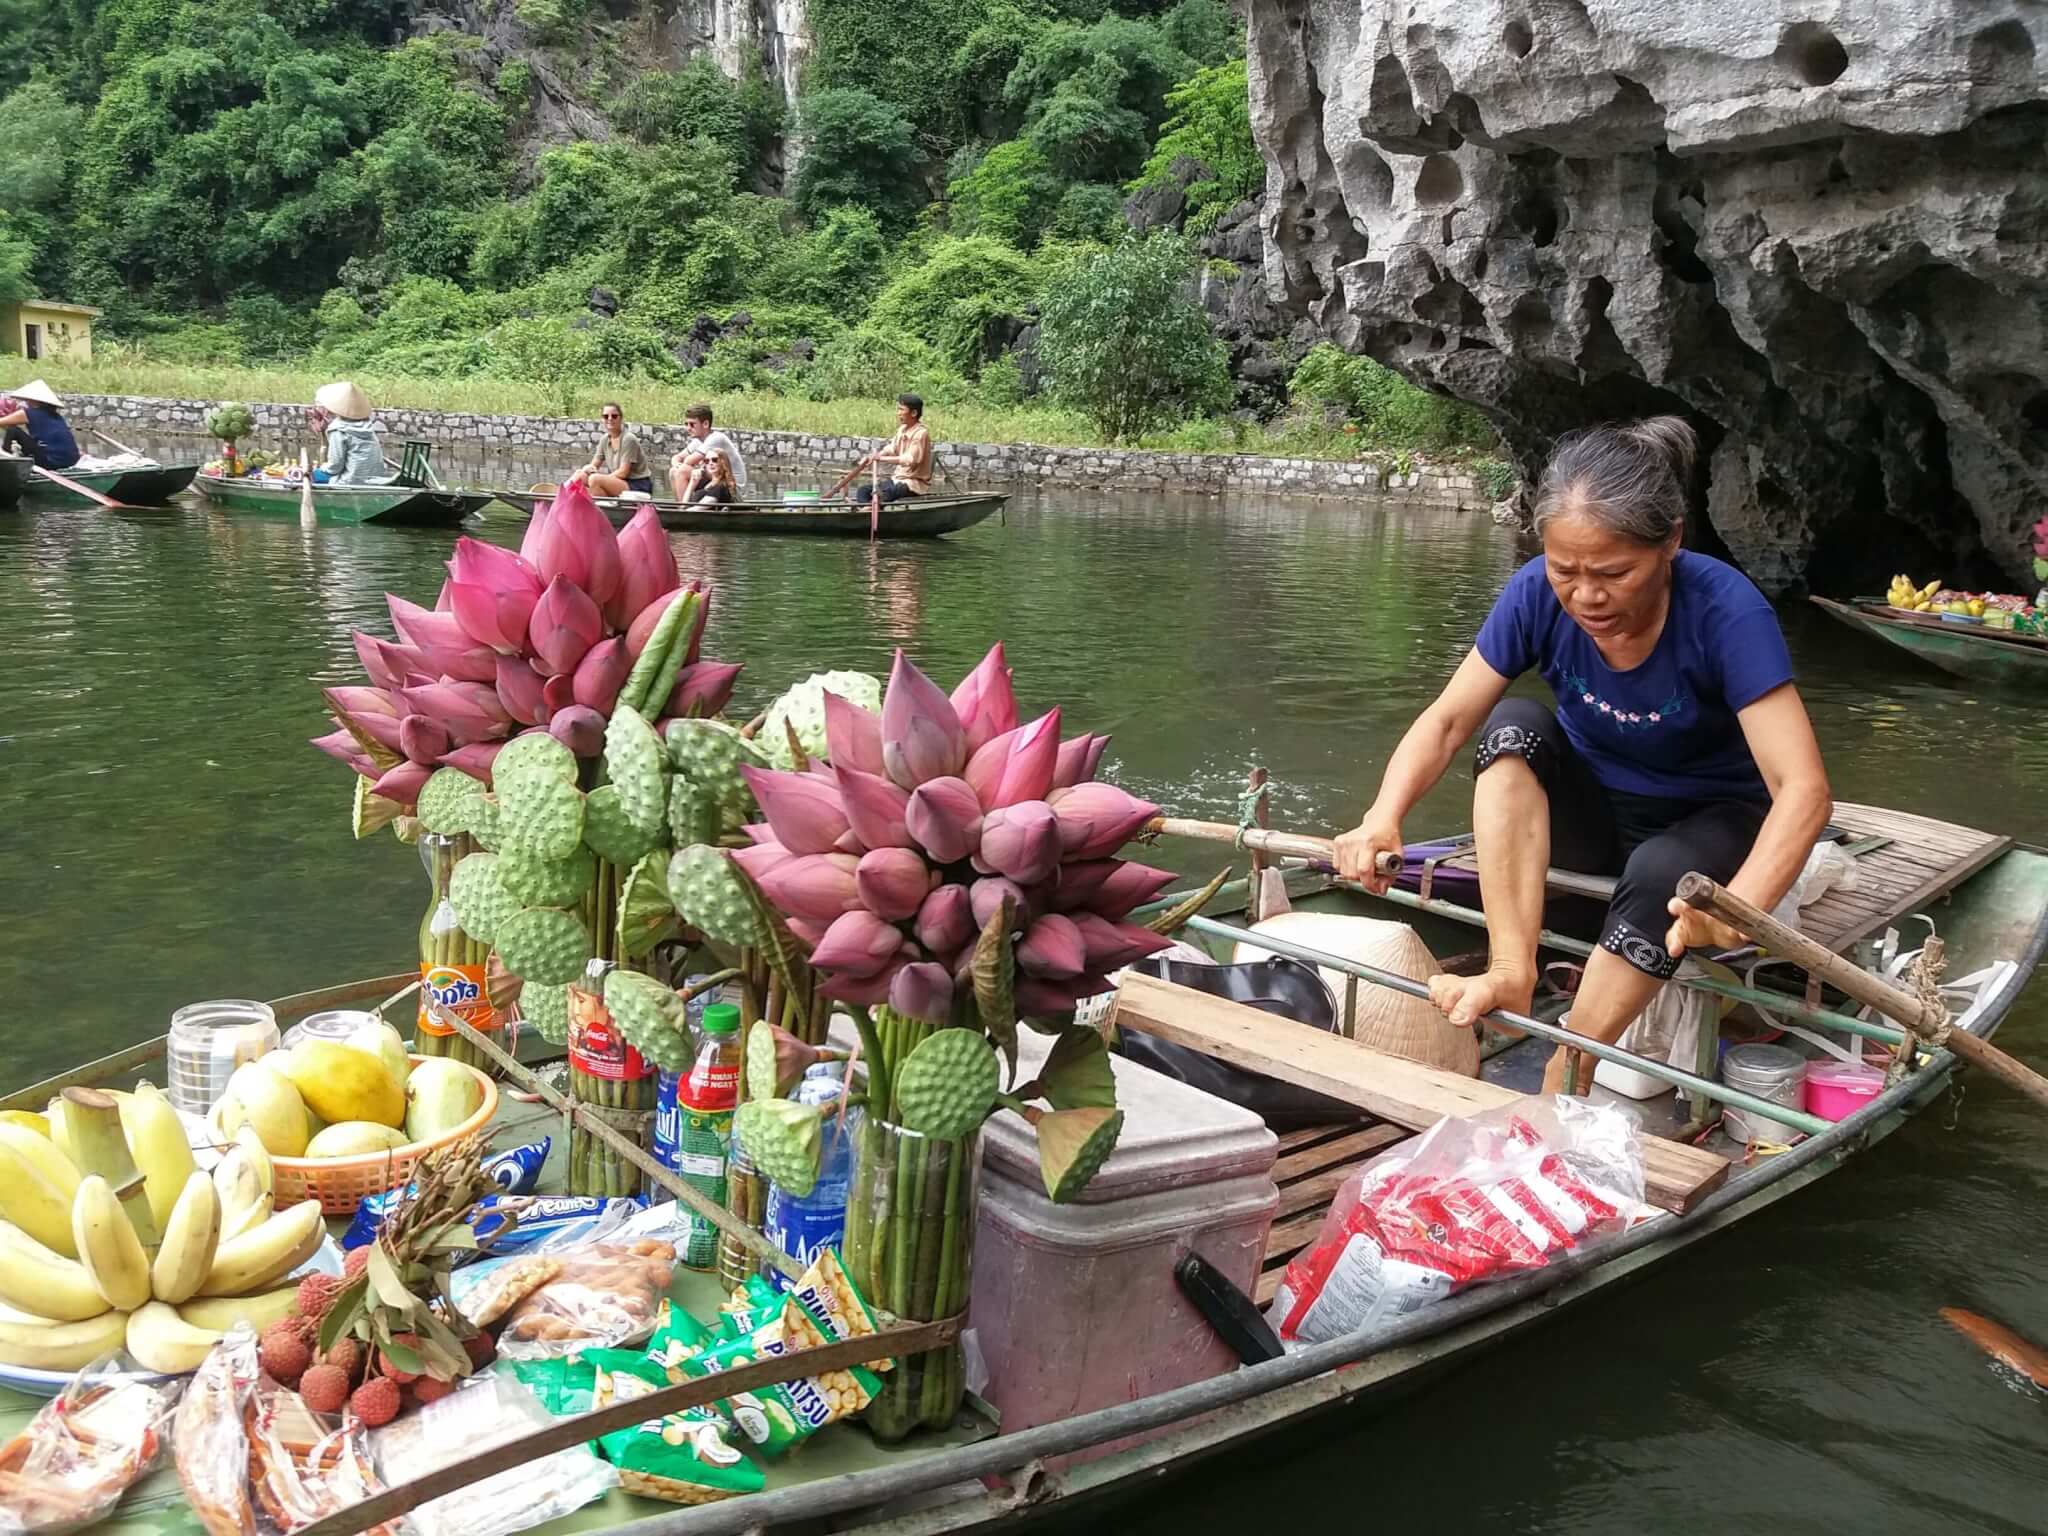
[{"x": 166, "y": 835}]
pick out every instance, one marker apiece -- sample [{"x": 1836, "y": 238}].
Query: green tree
[
  {"x": 1209, "y": 120},
  {"x": 1009, "y": 195},
  {"x": 954, "y": 298},
  {"x": 1122, "y": 341},
  {"x": 857, "y": 150},
  {"x": 698, "y": 101}
]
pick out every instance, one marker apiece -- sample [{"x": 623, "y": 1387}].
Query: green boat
[
  {"x": 1972, "y": 650},
  {"x": 917, "y": 517},
  {"x": 415, "y": 506},
  {"x": 1989, "y": 896},
  {"x": 147, "y": 485}
]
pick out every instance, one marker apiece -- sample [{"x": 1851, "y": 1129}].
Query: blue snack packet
[{"x": 515, "y": 1171}]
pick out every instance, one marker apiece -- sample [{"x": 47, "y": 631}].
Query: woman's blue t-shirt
[{"x": 1666, "y": 727}]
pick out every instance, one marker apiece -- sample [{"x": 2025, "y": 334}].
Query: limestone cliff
[{"x": 1816, "y": 228}]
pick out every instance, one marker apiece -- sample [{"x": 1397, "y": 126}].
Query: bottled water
[{"x": 803, "y": 1228}]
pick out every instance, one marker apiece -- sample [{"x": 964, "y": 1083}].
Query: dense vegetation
[{"x": 388, "y": 188}]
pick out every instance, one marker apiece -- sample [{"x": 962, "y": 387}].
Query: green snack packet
[
  {"x": 681, "y": 1457},
  {"x": 677, "y": 1336},
  {"x": 747, "y": 1308},
  {"x": 781, "y": 1415},
  {"x": 565, "y": 1387}
]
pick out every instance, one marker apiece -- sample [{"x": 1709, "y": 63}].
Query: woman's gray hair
[{"x": 1630, "y": 478}]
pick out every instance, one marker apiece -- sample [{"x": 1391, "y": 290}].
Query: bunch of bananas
[
  {"x": 113, "y": 1238},
  {"x": 1903, "y": 594}
]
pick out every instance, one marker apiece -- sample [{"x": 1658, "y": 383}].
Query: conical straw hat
[
  {"x": 1384, "y": 1019},
  {"x": 38, "y": 391},
  {"x": 342, "y": 399}
]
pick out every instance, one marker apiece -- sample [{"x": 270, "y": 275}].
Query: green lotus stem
[
  {"x": 880, "y": 1078},
  {"x": 939, "y": 1156},
  {"x": 909, "y": 1174}
]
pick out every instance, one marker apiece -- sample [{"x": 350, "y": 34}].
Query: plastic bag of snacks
[
  {"x": 596, "y": 1296},
  {"x": 82, "y": 1450},
  {"x": 303, "y": 1466},
  {"x": 1467, "y": 1201},
  {"x": 212, "y": 1441}
]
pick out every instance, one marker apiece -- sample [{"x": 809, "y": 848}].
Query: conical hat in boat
[
  {"x": 343, "y": 400},
  {"x": 38, "y": 391},
  {"x": 1384, "y": 1019}
]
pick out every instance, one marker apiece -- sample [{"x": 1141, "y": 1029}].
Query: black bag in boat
[{"x": 1275, "y": 985}]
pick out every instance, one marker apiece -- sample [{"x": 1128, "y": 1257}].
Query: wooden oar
[
  {"x": 309, "y": 514},
  {"x": 1288, "y": 845},
  {"x": 1930, "y": 1024},
  {"x": 846, "y": 479},
  {"x": 86, "y": 491},
  {"x": 113, "y": 441}
]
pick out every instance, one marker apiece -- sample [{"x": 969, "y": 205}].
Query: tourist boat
[
  {"x": 1987, "y": 896},
  {"x": 1973, "y": 650},
  {"x": 919, "y": 517},
  {"x": 143, "y": 485},
  {"x": 416, "y": 506}
]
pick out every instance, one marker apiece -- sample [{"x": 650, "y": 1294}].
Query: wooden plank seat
[{"x": 1313, "y": 1163}]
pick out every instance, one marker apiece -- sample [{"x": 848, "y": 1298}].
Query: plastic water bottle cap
[{"x": 721, "y": 1019}]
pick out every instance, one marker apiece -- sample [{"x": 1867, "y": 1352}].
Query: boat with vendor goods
[
  {"x": 1961, "y": 644},
  {"x": 409, "y": 505},
  {"x": 915, "y": 517},
  {"x": 129, "y": 479}
]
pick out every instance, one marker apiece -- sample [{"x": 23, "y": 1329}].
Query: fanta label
[{"x": 459, "y": 989}]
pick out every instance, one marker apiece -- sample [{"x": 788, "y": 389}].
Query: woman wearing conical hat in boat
[
  {"x": 33, "y": 420},
  {"x": 1678, "y": 741},
  {"x": 355, "y": 448}
]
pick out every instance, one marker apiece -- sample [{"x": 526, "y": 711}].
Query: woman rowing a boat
[
  {"x": 33, "y": 418},
  {"x": 355, "y": 448},
  {"x": 1678, "y": 742}
]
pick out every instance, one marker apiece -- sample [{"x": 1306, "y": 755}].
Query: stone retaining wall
[{"x": 567, "y": 441}]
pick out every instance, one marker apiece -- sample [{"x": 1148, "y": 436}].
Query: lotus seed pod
[
  {"x": 709, "y": 754},
  {"x": 947, "y": 1086},
  {"x": 1073, "y": 1144},
  {"x": 804, "y": 708},
  {"x": 534, "y": 752},
  {"x": 547, "y": 1010},
  {"x": 1077, "y": 1074},
  {"x": 486, "y": 826},
  {"x": 479, "y": 897},
  {"x": 764, "y": 1077},
  {"x": 783, "y": 1139},
  {"x": 609, "y": 834},
  {"x": 646, "y": 914},
  {"x": 540, "y": 816},
  {"x": 448, "y": 801},
  {"x": 708, "y": 894},
  {"x": 634, "y": 758},
  {"x": 651, "y": 1017},
  {"x": 692, "y": 813},
  {"x": 544, "y": 944},
  {"x": 536, "y": 882}
]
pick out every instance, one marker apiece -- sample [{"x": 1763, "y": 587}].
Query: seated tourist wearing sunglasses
[{"x": 619, "y": 464}]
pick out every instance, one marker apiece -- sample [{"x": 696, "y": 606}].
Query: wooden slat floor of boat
[
  {"x": 1922, "y": 860},
  {"x": 1313, "y": 1164}
]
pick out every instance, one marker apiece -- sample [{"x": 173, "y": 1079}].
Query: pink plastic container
[
  {"x": 1074, "y": 1307},
  {"x": 1835, "y": 1090}
]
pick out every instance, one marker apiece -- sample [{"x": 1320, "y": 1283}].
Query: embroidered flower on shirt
[{"x": 1626, "y": 719}]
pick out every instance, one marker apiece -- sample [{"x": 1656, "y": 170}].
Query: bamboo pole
[{"x": 1930, "y": 1023}]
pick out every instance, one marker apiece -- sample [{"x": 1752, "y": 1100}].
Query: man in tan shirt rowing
[{"x": 909, "y": 451}]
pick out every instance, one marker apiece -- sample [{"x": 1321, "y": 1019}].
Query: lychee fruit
[
  {"x": 308, "y": 1330},
  {"x": 389, "y": 1367},
  {"x": 324, "y": 1388},
  {"x": 429, "y": 1389},
  {"x": 482, "y": 1349},
  {"x": 284, "y": 1356},
  {"x": 347, "y": 1354},
  {"x": 376, "y": 1401},
  {"x": 316, "y": 1295},
  {"x": 354, "y": 1264}
]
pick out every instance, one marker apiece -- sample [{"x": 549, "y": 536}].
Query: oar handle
[
  {"x": 1288, "y": 845},
  {"x": 1697, "y": 891}
]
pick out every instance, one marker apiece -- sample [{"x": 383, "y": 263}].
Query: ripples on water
[{"x": 167, "y": 835}]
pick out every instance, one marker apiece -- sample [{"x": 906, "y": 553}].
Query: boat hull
[
  {"x": 919, "y": 517},
  {"x": 1961, "y": 650},
  {"x": 154, "y": 486},
  {"x": 348, "y": 505},
  {"x": 14, "y": 473}
]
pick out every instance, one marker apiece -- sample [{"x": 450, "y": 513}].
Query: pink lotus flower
[
  {"x": 342, "y": 747},
  {"x": 945, "y": 921},
  {"x": 579, "y": 728},
  {"x": 809, "y": 932},
  {"x": 382, "y": 729},
  {"x": 945, "y": 818},
  {"x": 847, "y": 988},
  {"x": 1112, "y": 944},
  {"x": 1021, "y": 841},
  {"x": 922, "y": 990},
  {"x": 557, "y": 692},
  {"x": 644, "y": 622},
  {"x": 536, "y": 525},
  {"x": 492, "y": 592},
  {"x": 519, "y": 690},
  {"x": 755, "y": 862},
  {"x": 984, "y": 896},
  {"x": 441, "y": 639},
  {"x": 803, "y": 809},
  {"x": 359, "y": 701},
  {"x": 423, "y": 740},
  {"x": 702, "y": 688},
  {"x": 1038, "y": 997},
  {"x": 893, "y": 883},
  {"x": 402, "y": 783},
  {"x": 391, "y": 667},
  {"x": 1096, "y": 819},
  {"x": 470, "y": 711},
  {"x": 875, "y": 808},
  {"x": 475, "y": 759},
  {"x": 858, "y": 943},
  {"x": 444, "y": 600},
  {"x": 647, "y": 567},
  {"x": 1027, "y": 774},
  {"x": 1052, "y": 948},
  {"x": 817, "y": 887},
  {"x": 984, "y": 701},
  {"x": 853, "y": 736},
  {"x": 921, "y": 736},
  {"x": 601, "y": 673},
  {"x": 566, "y": 624},
  {"x": 1077, "y": 761},
  {"x": 577, "y": 545},
  {"x": 1123, "y": 887}
]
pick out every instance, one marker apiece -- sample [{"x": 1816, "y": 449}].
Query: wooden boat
[
  {"x": 149, "y": 485},
  {"x": 1975, "y": 651},
  {"x": 1988, "y": 896},
  {"x": 919, "y": 517},
  {"x": 345, "y": 504},
  {"x": 14, "y": 473}
]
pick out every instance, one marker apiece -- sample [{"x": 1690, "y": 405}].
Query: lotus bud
[
  {"x": 1110, "y": 887},
  {"x": 470, "y": 711},
  {"x": 921, "y": 736},
  {"x": 423, "y": 740},
  {"x": 923, "y": 990},
  {"x": 1020, "y": 841},
  {"x": 579, "y": 728},
  {"x": 844, "y": 987},
  {"x": 402, "y": 784},
  {"x": 758, "y": 832},
  {"x": 535, "y": 526},
  {"x": 893, "y": 883},
  {"x": 803, "y": 809},
  {"x": 1096, "y": 819},
  {"x": 984, "y": 896},
  {"x": 519, "y": 690},
  {"x": 853, "y": 736},
  {"x": 491, "y": 592},
  {"x": 984, "y": 701},
  {"x": 755, "y": 862},
  {"x": 441, "y": 639},
  {"x": 945, "y": 921},
  {"x": 382, "y": 729},
  {"x": 647, "y": 567},
  {"x": 342, "y": 747},
  {"x": 811, "y": 933},
  {"x": 1042, "y": 997},
  {"x": 858, "y": 943},
  {"x": 577, "y": 545},
  {"x": 475, "y": 759},
  {"x": 391, "y": 667},
  {"x": 1017, "y": 765},
  {"x": 697, "y": 622},
  {"x": 1113, "y": 944},
  {"x": 566, "y": 624},
  {"x": 600, "y": 675},
  {"x": 644, "y": 621},
  {"x": 556, "y": 693},
  {"x": 875, "y": 808},
  {"x": 444, "y": 602},
  {"x": 359, "y": 701},
  {"x": 817, "y": 887},
  {"x": 1077, "y": 761},
  {"x": 703, "y": 688},
  {"x": 945, "y": 818},
  {"x": 1052, "y": 948}
]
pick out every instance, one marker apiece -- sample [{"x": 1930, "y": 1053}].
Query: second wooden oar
[{"x": 85, "y": 490}]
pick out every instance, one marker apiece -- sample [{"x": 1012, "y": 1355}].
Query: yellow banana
[
  {"x": 263, "y": 1257},
  {"x": 161, "y": 1340},
  {"x": 37, "y": 1185},
  {"x": 156, "y": 1137},
  {"x": 95, "y": 1141},
  {"x": 244, "y": 1202},
  {"x": 258, "y": 1311},
  {"x": 45, "y": 1344},
  {"x": 107, "y": 1245},
  {"x": 43, "y": 1282},
  {"x": 247, "y": 1139},
  {"x": 191, "y": 1233}
]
